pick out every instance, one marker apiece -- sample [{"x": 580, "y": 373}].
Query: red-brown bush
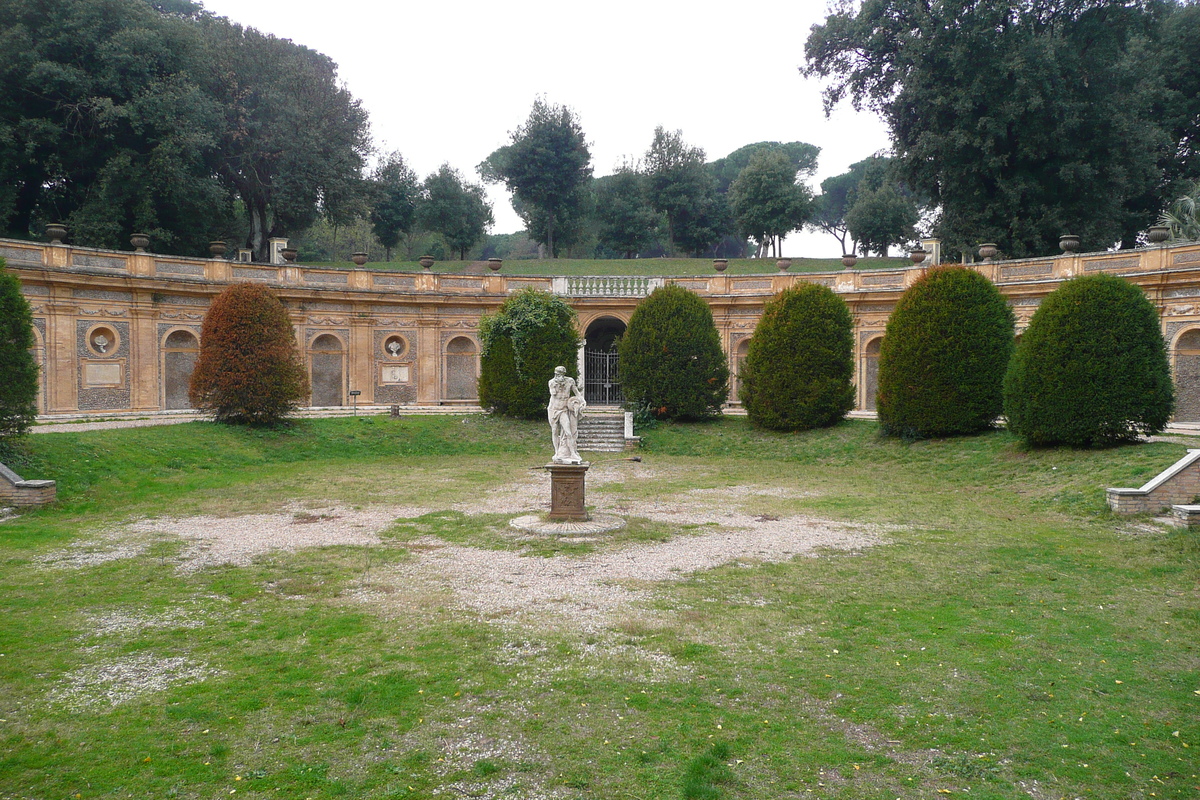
[{"x": 249, "y": 370}]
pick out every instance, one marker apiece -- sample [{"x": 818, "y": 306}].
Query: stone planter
[
  {"x": 358, "y": 258},
  {"x": 784, "y": 264},
  {"x": 1068, "y": 243},
  {"x": 289, "y": 254},
  {"x": 140, "y": 242},
  {"x": 988, "y": 250},
  {"x": 1157, "y": 234},
  {"x": 56, "y": 231},
  {"x": 849, "y": 260},
  {"x": 426, "y": 262},
  {"x": 918, "y": 255},
  {"x": 217, "y": 249},
  {"x": 494, "y": 264},
  {"x": 720, "y": 264}
]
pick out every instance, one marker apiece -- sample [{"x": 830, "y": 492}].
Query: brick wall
[{"x": 16, "y": 491}]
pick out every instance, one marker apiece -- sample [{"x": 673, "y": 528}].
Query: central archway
[{"x": 601, "y": 386}]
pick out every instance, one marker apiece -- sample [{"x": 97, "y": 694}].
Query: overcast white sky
[{"x": 448, "y": 81}]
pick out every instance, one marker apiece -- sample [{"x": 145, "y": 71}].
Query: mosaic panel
[
  {"x": 340, "y": 278},
  {"x": 21, "y": 254},
  {"x": 97, "y": 262},
  {"x": 1111, "y": 263},
  {"x": 34, "y": 290},
  {"x": 255, "y": 274},
  {"x": 406, "y": 281},
  {"x": 1187, "y": 258},
  {"x": 180, "y": 300},
  {"x": 101, "y": 294},
  {"x": 1027, "y": 270},
  {"x": 176, "y": 268}
]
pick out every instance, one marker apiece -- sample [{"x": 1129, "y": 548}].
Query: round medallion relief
[
  {"x": 103, "y": 341},
  {"x": 395, "y": 346}
]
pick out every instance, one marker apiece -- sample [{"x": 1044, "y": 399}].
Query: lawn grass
[
  {"x": 636, "y": 266},
  {"x": 1011, "y": 639}
]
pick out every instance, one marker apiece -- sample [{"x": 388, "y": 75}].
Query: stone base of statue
[{"x": 567, "y": 492}]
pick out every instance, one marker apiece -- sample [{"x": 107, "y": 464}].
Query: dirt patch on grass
[
  {"x": 120, "y": 680},
  {"x": 587, "y": 592},
  {"x": 212, "y": 540}
]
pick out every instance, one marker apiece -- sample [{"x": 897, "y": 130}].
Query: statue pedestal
[{"x": 566, "y": 491}]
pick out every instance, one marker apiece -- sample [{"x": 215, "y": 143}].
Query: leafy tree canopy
[
  {"x": 459, "y": 211},
  {"x": 547, "y": 167},
  {"x": 681, "y": 186},
  {"x": 1021, "y": 121},
  {"x": 766, "y": 200},
  {"x": 881, "y": 218},
  {"x": 397, "y": 190},
  {"x": 627, "y": 223},
  {"x": 801, "y": 155}
]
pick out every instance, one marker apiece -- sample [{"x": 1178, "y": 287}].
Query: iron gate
[{"x": 601, "y": 387}]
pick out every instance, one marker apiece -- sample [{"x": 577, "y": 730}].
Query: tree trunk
[
  {"x": 257, "y": 211},
  {"x": 550, "y": 237}
]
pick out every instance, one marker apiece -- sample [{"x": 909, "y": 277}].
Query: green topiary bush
[
  {"x": 531, "y": 334},
  {"x": 18, "y": 369},
  {"x": 670, "y": 359},
  {"x": 943, "y": 356},
  {"x": 1092, "y": 368},
  {"x": 248, "y": 370},
  {"x": 799, "y": 370}
]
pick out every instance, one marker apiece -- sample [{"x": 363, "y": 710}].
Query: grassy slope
[
  {"x": 1013, "y": 632},
  {"x": 646, "y": 266}
]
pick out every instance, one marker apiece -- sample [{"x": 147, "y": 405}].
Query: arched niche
[
  {"x": 870, "y": 373},
  {"x": 1186, "y": 358},
  {"x": 462, "y": 369},
  {"x": 180, "y": 349},
  {"x": 327, "y": 370},
  {"x": 601, "y": 386}
]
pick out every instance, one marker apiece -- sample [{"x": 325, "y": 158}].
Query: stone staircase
[{"x": 602, "y": 432}]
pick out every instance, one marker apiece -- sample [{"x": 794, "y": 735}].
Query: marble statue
[{"x": 565, "y": 409}]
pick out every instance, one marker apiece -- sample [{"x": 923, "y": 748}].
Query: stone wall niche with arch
[
  {"x": 327, "y": 370},
  {"x": 1186, "y": 361},
  {"x": 870, "y": 373},
  {"x": 180, "y": 349},
  {"x": 462, "y": 369}
]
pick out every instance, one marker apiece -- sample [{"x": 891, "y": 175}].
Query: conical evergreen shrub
[
  {"x": 943, "y": 356},
  {"x": 18, "y": 369},
  {"x": 799, "y": 370},
  {"x": 670, "y": 359},
  {"x": 249, "y": 370},
  {"x": 1091, "y": 369}
]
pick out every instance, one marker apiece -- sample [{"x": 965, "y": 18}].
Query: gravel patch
[
  {"x": 212, "y": 541},
  {"x": 589, "y": 592},
  {"x": 123, "y": 679},
  {"x": 123, "y": 623}
]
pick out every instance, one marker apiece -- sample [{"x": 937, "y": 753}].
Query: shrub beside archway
[
  {"x": 943, "y": 356},
  {"x": 1092, "y": 368},
  {"x": 800, "y": 365}
]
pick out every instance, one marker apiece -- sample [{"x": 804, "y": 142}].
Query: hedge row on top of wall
[
  {"x": 799, "y": 370},
  {"x": 943, "y": 357},
  {"x": 1091, "y": 369}
]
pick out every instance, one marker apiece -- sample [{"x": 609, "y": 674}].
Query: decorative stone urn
[
  {"x": 918, "y": 254},
  {"x": 57, "y": 231},
  {"x": 494, "y": 264},
  {"x": 217, "y": 249},
  {"x": 1157, "y": 234},
  {"x": 289, "y": 254},
  {"x": 720, "y": 264},
  {"x": 849, "y": 260},
  {"x": 358, "y": 258},
  {"x": 140, "y": 242},
  {"x": 1068, "y": 243},
  {"x": 988, "y": 250},
  {"x": 426, "y": 262},
  {"x": 784, "y": 264}
]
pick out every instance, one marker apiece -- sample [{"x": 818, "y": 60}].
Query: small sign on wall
[
  {"x": 103, "y": 374},
  {"x": 394, "y": 374}
]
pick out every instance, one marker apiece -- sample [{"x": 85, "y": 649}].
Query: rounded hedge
[
  {"x": 532, "y": 333},
  {"x": 799, "y": 370},
  {"x": 1091, "y": 369},
  {"x": 943, "y": 356},
  {"x": 248, "y": 370},
  {"x": 670, "y": 360},
  {"x": 18, "y": 369}
]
